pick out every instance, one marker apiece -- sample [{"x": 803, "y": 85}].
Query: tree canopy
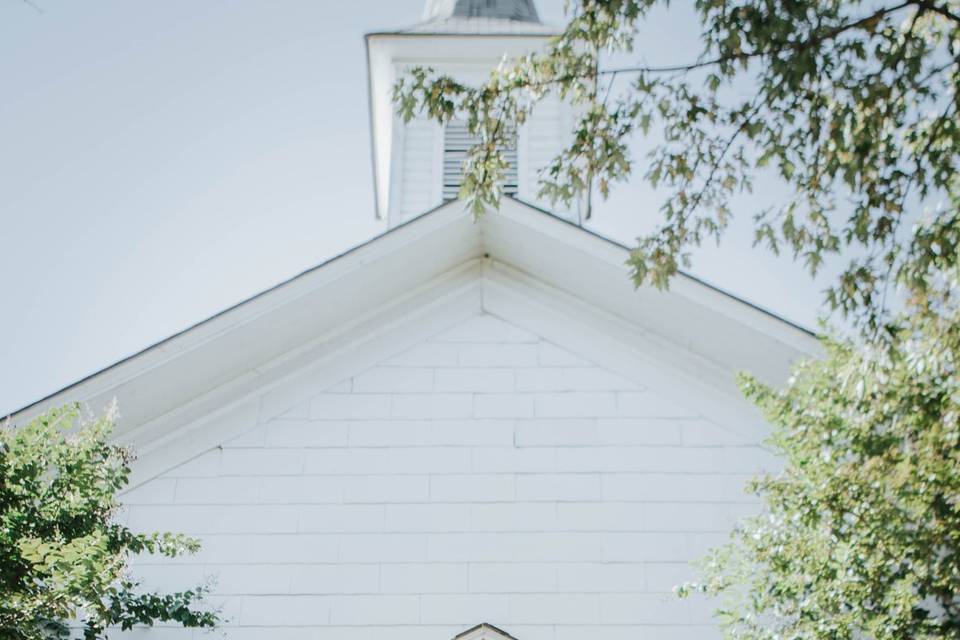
[
  {"x": 860, "y": 536},
  {"x": 852, "y": 104},
  {"x": 64, "y": 556}
]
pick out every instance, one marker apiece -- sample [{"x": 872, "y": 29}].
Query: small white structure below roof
[
  {"x": 484, "y": 631},
  {"x": 465, "y": 39}
]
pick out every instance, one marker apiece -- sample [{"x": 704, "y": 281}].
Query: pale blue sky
[{"x": 163, "y": 160}]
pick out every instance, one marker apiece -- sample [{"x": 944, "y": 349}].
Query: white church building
[{"x": 472, "y": 429}]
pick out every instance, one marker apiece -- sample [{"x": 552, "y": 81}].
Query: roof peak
[{"x": 514, "y": 10}]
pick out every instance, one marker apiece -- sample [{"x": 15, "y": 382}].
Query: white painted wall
[
  {"x": 418, "y": 188},
  {"x": 543, "y": 137},
  {"x": 483, "y": 475}
]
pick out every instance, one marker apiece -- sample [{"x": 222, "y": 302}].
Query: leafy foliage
[
  {"x": 63, "y": 556},
  {"x": 861, "y": 534},
  {"x": 853, "y": 104}
]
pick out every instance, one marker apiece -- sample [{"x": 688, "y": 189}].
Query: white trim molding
[{"x": 230, "y": 373}]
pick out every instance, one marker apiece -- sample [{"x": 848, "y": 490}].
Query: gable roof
[{"x": 442, "y": 262}]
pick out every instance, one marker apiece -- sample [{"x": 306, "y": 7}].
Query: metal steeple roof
[
  {"x": 516, "y": 10},
  {"x": 481, "y": 17}
]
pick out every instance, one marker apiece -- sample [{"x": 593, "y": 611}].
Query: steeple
[{"x": 417, "y": 165}]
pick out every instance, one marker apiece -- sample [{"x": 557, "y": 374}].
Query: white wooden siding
[
  {"x": 417, "y": 168},
  {"x": 544, "y": 136},
  {"x": 484, "y": 474}
]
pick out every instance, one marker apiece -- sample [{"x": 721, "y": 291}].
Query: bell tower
[{"x": 417, "y": 165}]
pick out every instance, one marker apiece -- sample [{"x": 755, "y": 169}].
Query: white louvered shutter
[{"x": 456, "y": 144}]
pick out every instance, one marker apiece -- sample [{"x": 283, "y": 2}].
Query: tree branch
[
  {"x": 788, "y": 46},
  {"x": 938, "y": 9}
]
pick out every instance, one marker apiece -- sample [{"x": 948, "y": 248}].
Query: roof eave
[{"x": 395, "y": 260}]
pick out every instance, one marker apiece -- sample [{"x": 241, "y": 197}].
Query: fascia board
[
  {"x": 691, "y": 314},
  {"x": 236, "y": 341},
  {"x": 219, "y": 362},
  {"x": 264, "y": 394}
]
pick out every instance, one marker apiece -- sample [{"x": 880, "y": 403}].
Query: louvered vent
[{"x": 456, "y": 143}]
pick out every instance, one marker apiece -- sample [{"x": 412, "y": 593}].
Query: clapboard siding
[
  {"x": 544, "y": 136},
  {"x": 482, "y": 475},
  {"x": 417, "y": 168}
]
